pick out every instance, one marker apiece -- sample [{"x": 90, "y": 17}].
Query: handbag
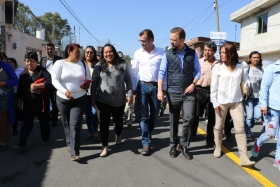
[
  {"x": 245, "y": 93},
  {"x": 3, "y": 102}
]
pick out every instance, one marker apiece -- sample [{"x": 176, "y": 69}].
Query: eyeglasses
[
  {"x": 143, "y": 41},
  {"x": 89, "y": 52}
]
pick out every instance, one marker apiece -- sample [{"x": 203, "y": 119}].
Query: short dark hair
[
  {"x": 211, "y": 45},
  {"x": 32, "y": 55},
  {"x": 180, "y": 31},
  {"x": 148, "y": 32},
  {"x": 13, "y": 60},
  {"x": 120, "y": 54},
  {"x": 253, "y": 53},
  {"x": 69, "y": 48},
  {"x": 50, "y": 45}
]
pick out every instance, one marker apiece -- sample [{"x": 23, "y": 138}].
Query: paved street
[{"x": 50, "y": 165}]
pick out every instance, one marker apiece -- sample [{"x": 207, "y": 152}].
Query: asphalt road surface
[{"x": 50, "y": 165}]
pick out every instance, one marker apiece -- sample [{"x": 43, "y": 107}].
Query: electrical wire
[{"x": 79, "y": 21}]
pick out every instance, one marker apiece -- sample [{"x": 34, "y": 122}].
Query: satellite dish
[{"x": 2, "y": 1}]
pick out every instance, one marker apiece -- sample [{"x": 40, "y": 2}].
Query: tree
[
  {"x": 25, "y": 21},
  {"x": 127, "y": 59},
  {"x": 55, "y": 27}
]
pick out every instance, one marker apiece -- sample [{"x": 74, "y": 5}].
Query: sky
[{"x": 120, "y": 21}]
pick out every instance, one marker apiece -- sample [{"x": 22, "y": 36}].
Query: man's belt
[{"x": 151, "y": 83}]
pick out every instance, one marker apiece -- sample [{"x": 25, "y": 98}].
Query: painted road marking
[{"x": 259, "y": 177}]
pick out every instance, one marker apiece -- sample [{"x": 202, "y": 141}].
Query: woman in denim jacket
[{"x": 270, "y": 107}]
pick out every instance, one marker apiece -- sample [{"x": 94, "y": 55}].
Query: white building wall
[
  {"x": 24, "y": 42},
  {"x": 266, "y": 43}
]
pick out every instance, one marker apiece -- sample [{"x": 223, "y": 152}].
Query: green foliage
[
  {"x": 127, "y": 59},
  {"x": 55, "y": 27}
]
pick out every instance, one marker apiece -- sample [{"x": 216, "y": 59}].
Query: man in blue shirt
[
  {"x": 270, "y": 106},
  {"x": 180, "y": 70}
]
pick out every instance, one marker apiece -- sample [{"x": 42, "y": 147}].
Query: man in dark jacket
[
  {"x": 180, "y": 70},
  {"x": 47, "y": 62}
]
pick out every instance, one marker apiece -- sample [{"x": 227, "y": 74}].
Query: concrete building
[
  {"x": 13, "y": 42},
  {"x": 260, "y": 26},
  {"x": 198, "y": 42}
]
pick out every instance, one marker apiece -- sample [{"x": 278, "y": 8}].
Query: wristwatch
[{"x": 194, "y": 83}]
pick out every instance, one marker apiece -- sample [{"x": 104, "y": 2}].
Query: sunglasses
[{"x": 89, "y": 52}]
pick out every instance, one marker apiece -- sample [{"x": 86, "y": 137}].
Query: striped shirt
[{"x": 205, "y": 72}]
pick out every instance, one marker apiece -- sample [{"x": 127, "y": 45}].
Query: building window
[{"x": 262, "y": 23}]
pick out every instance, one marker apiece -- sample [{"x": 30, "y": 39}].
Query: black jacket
[
  {"x": 25, "y": 80},
  {"x": 43, "y": 63},
  {"x": 44, "y": 60}
]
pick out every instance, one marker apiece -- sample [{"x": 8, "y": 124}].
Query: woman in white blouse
[
  {"x": 68, "y": 77},
  {"x": 226, "y": 96}
]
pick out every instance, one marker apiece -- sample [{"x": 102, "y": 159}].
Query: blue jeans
[
  {"x": 91, "y": 117},
  {"x": 147, "y": 96},
  {"x": 271, "y": 128},
  {"x": 253, "y": 113}
]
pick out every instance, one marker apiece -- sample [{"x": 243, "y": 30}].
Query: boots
[
  {"x": 242, "y": 148},
  {"x": 218, "y": 141}
]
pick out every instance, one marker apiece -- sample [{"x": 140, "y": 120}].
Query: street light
[{"x": 117, "y": 44}]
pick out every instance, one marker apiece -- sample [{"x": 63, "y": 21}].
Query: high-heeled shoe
[
  {"x": 118, "y": 139},
  {"x": 104, "y": 151}
]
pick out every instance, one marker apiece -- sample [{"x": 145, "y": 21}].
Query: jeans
[
  {"x": 91, "y": 117},
  {"x": 253, "y": 113},
  {"x": 147, "y": 96},
  {"x": 271, "y": 127}
]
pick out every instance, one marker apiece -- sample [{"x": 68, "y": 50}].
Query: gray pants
[
  {"x": 71, "y": 116},
  {"x": 176, "y": 102}
]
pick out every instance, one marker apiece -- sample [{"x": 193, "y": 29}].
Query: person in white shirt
[
  {"x": 68, "y": 77},
  {"x": 226, "y": 96},
  {"x": 47, "y": 62},
  {"x": 146, "y": 65}
]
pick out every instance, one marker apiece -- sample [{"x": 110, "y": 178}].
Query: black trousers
[
  {"x": 54, "y": 111},
  {"x": 176, "y": 102},
  {"x": 71, "y": 115},
  {"x": 105, "y": 116},
  {"x": 30, "y": 110},
  {"x": 203, "y": 100}
]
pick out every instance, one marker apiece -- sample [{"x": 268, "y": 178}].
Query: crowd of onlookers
[{"x": 105, "y": 87}]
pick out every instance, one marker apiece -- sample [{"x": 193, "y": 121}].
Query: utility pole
[{"x": 217, "y": 15}]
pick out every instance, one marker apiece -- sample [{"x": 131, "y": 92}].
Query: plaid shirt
[{"x": 205, "y": 72}]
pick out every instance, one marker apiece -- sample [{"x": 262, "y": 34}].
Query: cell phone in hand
[{"x": 86, "y": 82}]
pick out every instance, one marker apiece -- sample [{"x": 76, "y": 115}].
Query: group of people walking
[{"x": 101, "y": 88}]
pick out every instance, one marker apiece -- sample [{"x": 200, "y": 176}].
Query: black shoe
[
  {"x": 184, "y": 151},
  {"x": 3, "y": 147},
  {"x": 193, "y": 136},
  {"x": 228, "y": 137},
  {"x": 145, "y": 151},
  {"x": 54, "y": 124},
  {"x": 210, "y": 144},
  {"x": 173, "y": 152},
  {"x": 15, "y": 133}
]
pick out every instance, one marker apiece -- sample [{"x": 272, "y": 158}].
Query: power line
[
  {"x": 189, "y": 22},
  {"x": 79, "y": 21}
]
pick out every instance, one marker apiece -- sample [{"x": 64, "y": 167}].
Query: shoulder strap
[
  {"x": 85, "y": 68},
  {"x": 242, "y": 78}
]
